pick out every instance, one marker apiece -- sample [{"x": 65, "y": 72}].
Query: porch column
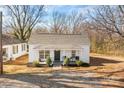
[{"x": 52, "y": 54}]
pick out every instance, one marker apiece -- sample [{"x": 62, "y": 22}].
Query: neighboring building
[
  {"x": 12, "y": 48},
  {"x": 57, "y": 46}
]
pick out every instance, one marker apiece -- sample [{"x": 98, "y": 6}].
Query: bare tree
[
  {"x": 105, "y": 29},
  {"x": 76, "y": 22},
  {"x": 67, "y": 23},
  {"x": 110, "y": 19},
  {"x": 23, "y": 19},
  {"x": 57, "y": 22}
]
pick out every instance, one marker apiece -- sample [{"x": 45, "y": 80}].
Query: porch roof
[{"x": 59, "y": 39}]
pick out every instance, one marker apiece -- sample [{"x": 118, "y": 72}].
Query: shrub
[
  {"x": 85, "y": 65},
  {"x": 66, "y": 61},
  {"x": 79, "y": 63},
  {"x": 36, "y": 63},
  {"x": 48, "y": 61}
]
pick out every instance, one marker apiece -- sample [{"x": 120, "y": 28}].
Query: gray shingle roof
[
  {"x": 59, "y": 39},
  {"x": 8, "y": 40}
]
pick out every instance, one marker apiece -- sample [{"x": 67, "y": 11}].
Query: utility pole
[{"x": 1, "y": 52}]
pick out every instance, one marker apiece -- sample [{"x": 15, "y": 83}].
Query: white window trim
[
  {"x": 15, "y": 51},
  {"x": 73, "y": 52},
  {"x": 23, "y": 47},
  {"x": 44, "y": 53}
]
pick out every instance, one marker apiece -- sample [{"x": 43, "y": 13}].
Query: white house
[
  {"x": 12, "y": 48},
  {"x": 57, "y": 46}
]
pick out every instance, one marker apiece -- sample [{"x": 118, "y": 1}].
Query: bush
[
  {"x": 66, "y": 61},
  {"x": 36, "y": 63},
  {"x": 85, "y": 65},
  {"x": 48, "y": 61},
  {"x": 79, "y": 63}
]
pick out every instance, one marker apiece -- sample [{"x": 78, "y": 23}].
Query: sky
[
  {"x": 68, "y": 8},
  {"x": 60, "y": 8}
]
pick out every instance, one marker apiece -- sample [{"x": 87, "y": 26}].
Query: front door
[{"x": 57, "y": 55}]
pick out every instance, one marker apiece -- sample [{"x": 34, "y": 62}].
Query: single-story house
[
  {"x": 58, "y": 46},
  {"x": 12, "y": 48}
]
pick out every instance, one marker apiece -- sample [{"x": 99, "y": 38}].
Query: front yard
[{"x": 104, "y": 71}]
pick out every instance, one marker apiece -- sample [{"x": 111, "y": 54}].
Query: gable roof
[
  {"x": 8, "y": 40},
  {"x": 59, "y": 39}
]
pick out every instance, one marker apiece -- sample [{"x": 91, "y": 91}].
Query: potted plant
[
  {"x": 49, "y": 61},
  {"x": 79, "y": 63},
  {"x": 36, "y": 63},
  {"x": 66, "y": 61}
]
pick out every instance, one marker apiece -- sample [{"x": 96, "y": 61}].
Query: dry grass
[
  {"x": 20, "y": 66},
  {"x": 23, "y": 60},
  {"x": 99, "y": 63},
  {"x": 104, "y": 72}
]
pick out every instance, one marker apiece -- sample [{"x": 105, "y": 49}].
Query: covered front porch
[{"x": 57, "y": 53}]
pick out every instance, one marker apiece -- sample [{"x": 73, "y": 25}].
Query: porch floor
[{"x": 57, "y": 63}]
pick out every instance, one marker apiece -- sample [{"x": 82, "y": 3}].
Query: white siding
[
  {"x": 10, "y": 51},
  {"x": 52, "y": 54},
  {"x": 33, "y": 54},
  {"x": 20, "y": 52},
  {"x": 78, "y": 53},
  {"x": 62, "y": 53},
  {"x": 68, "y": 53},
  {"x": 85, "y": 53}
]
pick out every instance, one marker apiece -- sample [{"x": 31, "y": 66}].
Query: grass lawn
[{"x": 105, "y": 71}]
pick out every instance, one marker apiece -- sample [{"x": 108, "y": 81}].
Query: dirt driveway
[{"x": 104, "y": 72}]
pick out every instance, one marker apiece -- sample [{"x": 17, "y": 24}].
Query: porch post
[
  {"x": 1, "y": 52},
  {"x": 44, "y": 53}
]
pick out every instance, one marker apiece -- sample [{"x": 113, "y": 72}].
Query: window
[
  {"x": 78, "y": 52},
  {"x": 5, "y": 54},
  {"x": 43, "y": 54},
  {"x": 23, "y": 47},
  {"x": 15, "y": 49},
  {"x": 73, "y": 53},
  {"x": 4, "y": 51}
]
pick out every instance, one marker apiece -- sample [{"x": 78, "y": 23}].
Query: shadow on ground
[
  {"x": 95, "y": 61},
  {"x": 68, "y": 79},
  {"x": 63, "y": 79}
]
